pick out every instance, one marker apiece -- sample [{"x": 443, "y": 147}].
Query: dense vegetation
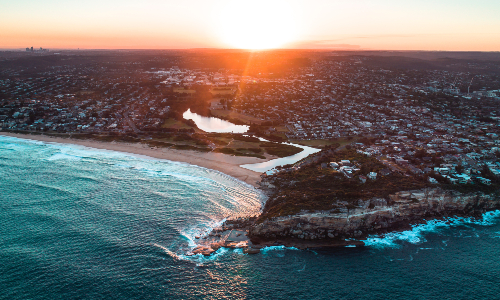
[{"x": 317, "y": 187}]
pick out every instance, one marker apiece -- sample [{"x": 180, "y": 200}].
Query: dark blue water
[{"x": 77, "y": 223}]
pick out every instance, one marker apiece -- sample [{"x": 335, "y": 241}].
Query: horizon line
[{"x": 243, "y": 50}]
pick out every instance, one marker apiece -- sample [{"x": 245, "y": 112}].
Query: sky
[{"x": 452, "y": 25}]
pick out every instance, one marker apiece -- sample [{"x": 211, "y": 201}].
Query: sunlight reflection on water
[
  {"x": 218, "y": 125},
  {"x": 214, "y": 124}
]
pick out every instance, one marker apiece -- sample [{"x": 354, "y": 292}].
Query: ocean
[{"x": 82, "y": 223}]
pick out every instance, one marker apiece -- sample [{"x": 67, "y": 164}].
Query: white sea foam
[
  {"x": 167, "y": 251},
  {"x": 63, "y": 156},
  {"x": 126, "y": 158},
  {"x": 276, "y": 248},
  {"x": 202, "y": 230},
  {"x": 239, "y": 251},
  {"x": 239, "y": 200},
  {"x": 200, "y": 258},
  {"x": 417, "y": 233}
]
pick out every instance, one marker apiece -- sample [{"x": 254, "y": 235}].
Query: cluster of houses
[
  {"x": 338, "y": 99},
  {"x": 410, "y": 129},
  {"x": 456, "y": 177},
  {"x": 348, "y": 169},
  {"x": 73, "y": 99},
  {"x": 455, "y": 168}
]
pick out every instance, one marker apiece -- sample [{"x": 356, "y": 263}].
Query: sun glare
[{"x": 256, "y": 24}]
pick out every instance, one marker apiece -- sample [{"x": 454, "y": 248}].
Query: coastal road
[{"x": 131, "y": 123}]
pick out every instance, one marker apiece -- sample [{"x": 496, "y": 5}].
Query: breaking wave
[{"x": 417, "y": 234}]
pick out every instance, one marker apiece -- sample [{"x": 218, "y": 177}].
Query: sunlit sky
[{"x": 324, "y": 24}]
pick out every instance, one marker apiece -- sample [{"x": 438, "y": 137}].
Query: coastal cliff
[
  {"x": 340, "y": 196},
  {"x": 326, "y": 201},
  {"x": 374, "y": 216}
]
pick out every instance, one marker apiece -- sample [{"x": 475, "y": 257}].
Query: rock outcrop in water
[{"x": 374, "y": 216}]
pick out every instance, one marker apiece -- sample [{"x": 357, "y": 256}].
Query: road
[{"x": 131, "y": 123}]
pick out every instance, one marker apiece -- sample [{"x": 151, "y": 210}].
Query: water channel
[
  {"x": 221, "y": 126},
  {"x": 271, "y": 164}
]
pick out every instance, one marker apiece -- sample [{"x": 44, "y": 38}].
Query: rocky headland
[
  {"x": 373, "y": 216},
  {"x": 350, "y": 227},
  {"x": 318, "y": 204}
]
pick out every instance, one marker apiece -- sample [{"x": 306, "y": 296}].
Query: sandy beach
[{"x": 224, "y": 163}]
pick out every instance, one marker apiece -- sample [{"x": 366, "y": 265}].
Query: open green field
[
  {"x": 322, "y": 143},
  {"x": 250, "y": 146},
  {"x": 173, "y": 123},
  {"x": 223, "y": 91},
  {"x": 184, "y": 91},
  {"x": 218, "y": 142},
  {"x": 281, "y": 129},
  {"x": 229, "y": 114}
]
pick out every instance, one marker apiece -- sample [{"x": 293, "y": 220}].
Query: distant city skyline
[{"x": 317, "y": 24}]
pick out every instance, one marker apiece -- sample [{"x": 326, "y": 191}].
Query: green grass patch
[
  {"x": 238, "y": 118},
  {"x": 280, "y": 150},
  {"x": 174, "y": 124}
]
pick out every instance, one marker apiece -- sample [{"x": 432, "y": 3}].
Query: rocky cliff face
[{"x": 375, "y": 215}]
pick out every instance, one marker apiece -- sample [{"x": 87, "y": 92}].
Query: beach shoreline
[{"x": 227, "y": 164}]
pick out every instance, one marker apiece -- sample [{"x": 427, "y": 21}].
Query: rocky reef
[
  {"x": 370, "y": 217},
  {"x": 233, "y": 233}
]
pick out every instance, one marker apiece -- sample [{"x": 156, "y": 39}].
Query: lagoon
[{"x": 211, "y": 124}]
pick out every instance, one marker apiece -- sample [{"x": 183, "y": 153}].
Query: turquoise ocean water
[{"x": 81, "y": 223}]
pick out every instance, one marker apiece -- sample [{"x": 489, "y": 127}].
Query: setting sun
[{"x": 256, "y": 25}]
